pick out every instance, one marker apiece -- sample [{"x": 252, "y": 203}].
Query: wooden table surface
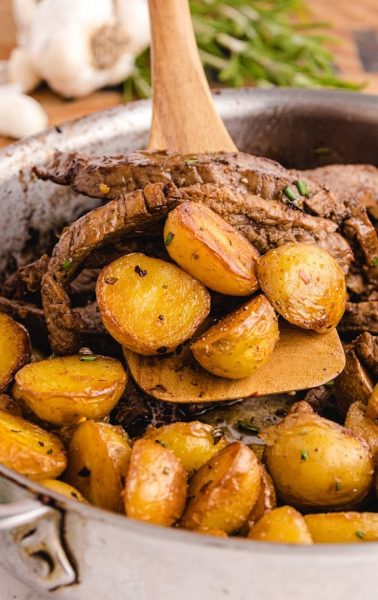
[{"x": 356, "y": 54}]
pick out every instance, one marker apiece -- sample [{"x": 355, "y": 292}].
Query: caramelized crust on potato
[
  {"x": 284, "y": 525},
  {"x": 367, "y": 429},
  {"x": 223, "y": 492},
  {"x": 63, "y": 390},
  {"x": 266, "y": 500},
  {"x": 241, "y": 342},
  {"x": 30, "y": 450},
  {"x": 305, "y": 284},
  {"x": 343, "y": 527},
  {"x": 149, "y": 305},
  {"x": 15, "y": 349},
  {"x": 372, "y": 405},
  {"x": 60, "y": 487},
  {"x": 155, "y": 485},
  {"x": 98, "y": 460},
  {"x": 316, "y": 462},
  {"x": 211, "y": 250},
  {"x": 194, "y": 443},
  {"x": 213, "y": 532}
]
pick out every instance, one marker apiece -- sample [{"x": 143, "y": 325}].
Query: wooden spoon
[{"x": 184, "y": 120}]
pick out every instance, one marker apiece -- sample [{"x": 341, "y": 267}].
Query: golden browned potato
[
  {"x": 266, "y": 500},
  {"x": 155, "y": 485},
  {"x": 98, "y": 459},
  {"x": 316, "y": 462},
  {"x": 194, "y": 443},
  {"x": 305, "y": 284},
  {"x": 284, "y": 525},
  {"x": 65, "y": 389},
  {"x": 223, "y": 492},
  {"x": 15, "y": 349},
  {"x": 372, "y": 405},
  {"x": 367, "y": 429},
  {"x": 149, "y": 305},
  {"x": 343, "y": 527},
  {"x": 60, "y": 487},
  {"x": 30, "y": 450},
  {"x": 213, "y": 532},
  {"x": 211, "y": 250},
  {"x": 241, "y": 342}
]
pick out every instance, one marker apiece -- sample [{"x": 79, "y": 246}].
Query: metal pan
[{"x": 49, "y": 543}]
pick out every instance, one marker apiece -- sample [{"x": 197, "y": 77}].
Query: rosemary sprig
[{"x": 254, "y": 42}]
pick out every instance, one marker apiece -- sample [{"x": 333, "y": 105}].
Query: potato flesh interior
[
  {"x": 343, "y": 527},
  {"x": 241, "y": 342},
  {"x": 14, "y": 348},
  {"x": 64, "y": 389},
  {"x": 283, "y": 525},
  {"x": 211, "y": 250},
  {"x": 149, "y": 305}
]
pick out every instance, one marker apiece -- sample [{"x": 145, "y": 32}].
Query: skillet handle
[{"x": 31, "y": 533}]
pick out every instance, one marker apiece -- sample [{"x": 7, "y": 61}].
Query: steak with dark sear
[
  {"x": 360, "y": 317},
  {"x": 265, "y": 224},
  {"x": 366, "y": 346},
  {"x": 354, "y": 384},
  {"x": 27, "y": 279}
]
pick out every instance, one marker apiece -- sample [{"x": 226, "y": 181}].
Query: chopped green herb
[
  {"x": 322, "y": 150},
  {"x": 246, "y": 426},
  {"x": 304, "y": 454},
  {"x": 88, "y": 357},
  {"x": 217, "y": 435},
  {"x": 66, "y": 264},
  {"x": 360, "y": 534},
  {"x": 330, "y": 384},
  {"x": 375, "y": 261},
  {"x": 338, "y": 486},
  {"x": 169, "y": 238},
  {"x": 290, "y": 194},
  {"x": 302, "y": 187},
  {"x": 191, "y": 161}
]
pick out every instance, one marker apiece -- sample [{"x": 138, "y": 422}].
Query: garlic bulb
[
  {"x": 20, "y": 115},
  {"x": 77, "y": 46}
]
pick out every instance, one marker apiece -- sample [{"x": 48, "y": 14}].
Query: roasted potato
[
  {"x": 285, "y": 525},
  {"x": 211, "y": 250},
  {"x": 213, "y": 532},
  {"x": 149, "y": 305},
  {"x": 343, "y": 527},
  {"x": 266, "y": 500},
  {"x": 305, "y": 284},
  {"x": 65, "y": 389},
  {"x": 372, "y": 405},
  {"x": 367, "y": 429},
  {"x": 30, "y": 450},
  {"x": 156, "y": 484},
  {"x": 241, "y": 342},
  {"x": 60, "y": 487},
  {"x": 316, "y": 462},
  {"x": 193, "y": 443},
  {"x": 98, "y": 459},
  {"x": 223, "y": 492},
  {"x": 15, "y": 349}
]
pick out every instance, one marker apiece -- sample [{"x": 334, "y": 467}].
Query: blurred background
[{"x": 61, "y": 59}]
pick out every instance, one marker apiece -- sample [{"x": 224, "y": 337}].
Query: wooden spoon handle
[{"x": 184, "y": 118}]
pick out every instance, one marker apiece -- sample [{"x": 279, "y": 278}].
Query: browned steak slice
[
  {"x": 367, "y": 349},
  {"x": 360, "y": 317}
]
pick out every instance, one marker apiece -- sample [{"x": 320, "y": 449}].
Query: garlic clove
[
  {"x": 20, "y": 115},
  {"x": 21, "y": 70}
]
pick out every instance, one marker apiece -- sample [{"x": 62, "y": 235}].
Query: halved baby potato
[
  {"x": 155, "y": 485},
  {"x": 194, "y": 443},
  {"x": 315, "y": 462},
  {"x": 284, "y": 525},
  {"x": 305, "y": 284},
  {"x": 98, "y": 459},
  {"x": 62, "y": 390},
  {"x": 241, "y": 342},
  {"x": 60, "y": 487},
  {"x": 343, "y": 527},
  {"x": 223, "y": 492},
  {"x": 149, "y": 305},
  {"x": 15, "y": 349},
  {"x": 211, "y": 250},
  {"x": 30, "y": 450}
]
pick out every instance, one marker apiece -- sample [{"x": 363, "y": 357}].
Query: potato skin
[
  {"x": 305, "y": 284},
  {"x": 372, "y": 405},
  {"x": 98, "y": 460},
  {"x": 316, "y": 462},
  {"x": 211, "y": 250},
  {"x": 30, "y": 450},
  {"x": 156, "y": 484},
  {"x": 266, "y": 500},
  {"x": 367, "y": 429},
  {"x": 60, "y": 487},
  {"x": 15, "y": 349},
  {"x": 223, "y": 492},
  {"x": 284, "y": 525},
  {"x": 241, "y": 342},
  {"x": 148, "y": 305},
  {"x": 193, "y": 443},
  {"x": 65, "y": 389},
  {"x": 343, "y": 527}
]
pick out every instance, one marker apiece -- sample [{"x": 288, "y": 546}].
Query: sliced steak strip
[
  {"x": 27, "y": 279},
  {"x": 366, "y": 346},
  {"x": 360, "y": 317},
  {"x": 353, "y": 384}
]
